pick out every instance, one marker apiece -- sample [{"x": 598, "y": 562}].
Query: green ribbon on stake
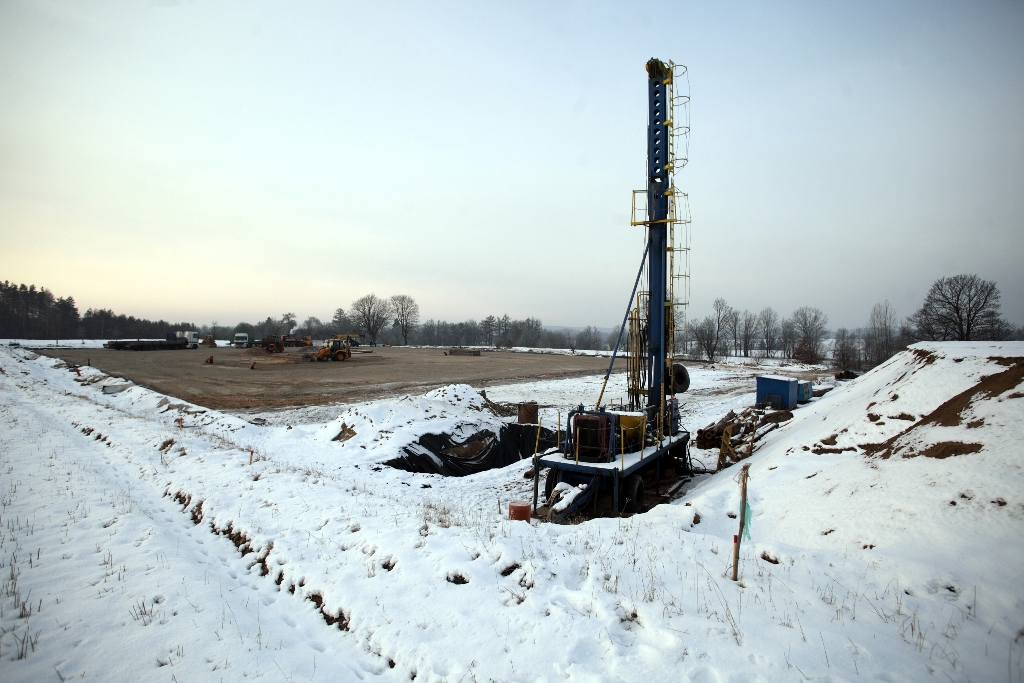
[{"x": 747, "y": 514}]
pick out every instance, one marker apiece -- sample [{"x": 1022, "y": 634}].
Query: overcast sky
[{"x": 229, "y": 161}]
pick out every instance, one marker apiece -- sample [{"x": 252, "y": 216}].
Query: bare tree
[
  {"x": 880, "y": 338},
  {"x": 710, "y": 331},
  {"x": 732, "y": 324},
  {"x": 706, "y": 335},
  {"x": 768, "y": 322},
  {"x": 371, "y": 314},
  {"x": 787, "y": 337},
  {"x": 407, "y": 314},
  {"x": 811, "y": 329},
  {"x": 287, "y": 322},
  {"x": 342, "y": 323},
  {"x": 312, "y": 327},
  {"x": 846, "y": 353},
  {"x": 748, "y": 329},
  {"x": 488, "y": 326},
  {"x": 960, "y": 308},
  {"x": 589, "y": 339},
  {"x": 503, "y": 329},
  {"x": 722, "y": 316}
]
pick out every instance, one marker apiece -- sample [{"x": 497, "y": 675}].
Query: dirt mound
[{"x": 951, "y": 413}]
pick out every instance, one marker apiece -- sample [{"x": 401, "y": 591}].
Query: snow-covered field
[
  {"x": 55, "y": 343},
  {"x": 148, "y": 539}
]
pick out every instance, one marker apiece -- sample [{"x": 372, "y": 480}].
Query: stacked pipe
[
  {"x": 711, "y": 436},
  {"x": 735, "y": 435}
]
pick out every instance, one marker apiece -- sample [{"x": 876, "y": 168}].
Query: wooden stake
[{"x": 744, "y": 473}]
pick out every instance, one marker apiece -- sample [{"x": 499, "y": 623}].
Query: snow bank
[
  {"x": 153, "y": 533},
  {"x": 912, "y": 471}
]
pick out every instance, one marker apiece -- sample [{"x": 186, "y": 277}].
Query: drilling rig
[{"x": 615, "y": 450}]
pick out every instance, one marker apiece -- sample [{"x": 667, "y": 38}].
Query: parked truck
[
  {"x": 288, "y": 340},
  {"x": 185, "y": 339},
  {"x": 191, "y": 338}
]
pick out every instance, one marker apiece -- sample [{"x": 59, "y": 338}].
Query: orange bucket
[{"x": 519, "y": 510}]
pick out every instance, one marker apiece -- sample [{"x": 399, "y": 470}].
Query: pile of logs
[{"x": 734, "y": 435}]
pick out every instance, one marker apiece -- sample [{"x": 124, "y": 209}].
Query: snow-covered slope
[
  {"x": 914, "y": 471},
  {"x": 276, "y": 549}
]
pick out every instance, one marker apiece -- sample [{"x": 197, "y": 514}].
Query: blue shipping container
[
  {"x": 804, "y": 391},
  {"x": 782, "y": 387}
]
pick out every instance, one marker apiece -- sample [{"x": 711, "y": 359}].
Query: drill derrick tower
[
  {"x": 664, "y": 211},
  {"x": 617, "y": 450}
]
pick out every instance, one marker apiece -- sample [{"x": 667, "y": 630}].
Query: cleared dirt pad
[{"x": 286, "y": 380}]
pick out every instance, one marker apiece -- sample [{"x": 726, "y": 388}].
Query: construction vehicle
[
  {"x": 241, "y": 340},
  {"x": 191, "y": 338},
  {"x": 185, "y": 339},
  {"x": 339, "y": 348},
  {"x": 209, "y": 341},
  {"x": 272, "y": 343},
  {"x": 613, "y": 450},
  {"x": 288, "y": 340}
]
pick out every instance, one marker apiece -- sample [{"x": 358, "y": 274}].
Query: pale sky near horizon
[{"x": 228, "y": 161}]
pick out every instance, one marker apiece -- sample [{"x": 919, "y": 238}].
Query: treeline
[
  {"x": 957, "y": 308},
  {"x": 30, "y": 313},
  {"x": 385, "y": 321},
  {"x": 729, "y": 332},
  {"x": 962, "y": 307},
  {"x": 27, "y": 312}
]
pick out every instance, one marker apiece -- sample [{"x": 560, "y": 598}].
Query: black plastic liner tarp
[{"x": 439, "y": 454}]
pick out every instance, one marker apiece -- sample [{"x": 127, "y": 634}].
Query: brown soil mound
[
  {"x": 946, "y": 449},
  {"x": 950, "y": 413}
]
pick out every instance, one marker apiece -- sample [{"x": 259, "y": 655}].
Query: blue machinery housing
[
  {"x": 604, "y": 449},
  {"x": 780, "y": 392}
]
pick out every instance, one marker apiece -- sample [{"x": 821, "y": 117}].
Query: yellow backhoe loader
[{"x": 338, "y": 348}]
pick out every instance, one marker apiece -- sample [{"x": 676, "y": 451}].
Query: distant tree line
[
  {"x": 961, "y": 307},
  {"x": 729, "y": 332},
  {"x": 957, "y": 308},
  {"x": 30, "y": 313},
  {"x": 396, "y": 320}
]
